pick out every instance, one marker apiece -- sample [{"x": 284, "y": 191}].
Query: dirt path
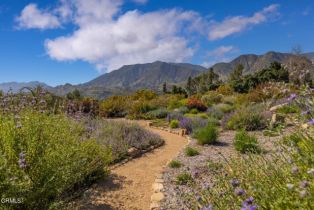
[{"x": 130, "y": 185}]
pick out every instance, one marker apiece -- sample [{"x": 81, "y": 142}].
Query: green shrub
[
  {"x": 157, "y": 114},
  {"x": 194, "y": 111},
  {"x": 211, "y": 98},
  {"x": 164, "y": 101},
  {"x": 213, "y": 121},
  {"x": 139, "y": 109},
  {"x": 225, "y": 90},
  {"x": 190, "y": 152},
  {"x": 144, "y": 95},
  {"x": 175, "y": 164},
  {"x": 176, "y": 103},
  {"x": 214, "y": 165},
  {"x": 243, "y": 142},
  {"x": 184, "y": 178},
  {"x": 289, "y": 109},
  {"x": 248, "y": 118},
  {"x": 114, "y": 106},
  {"x": 200, "y": 115},
  {"x": 231, "y": 100},
  {"x": 207, "y": 135},
  {"x": 183, "y": 110},
  {"x": 174, "y": 124},
  {"x": 215, "y": 113},
  {"x": 43, "y": 157},
  {"x": 225, "y": 108}
]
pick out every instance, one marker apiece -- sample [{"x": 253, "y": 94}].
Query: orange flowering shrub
[{"x": 194, "y": 103}]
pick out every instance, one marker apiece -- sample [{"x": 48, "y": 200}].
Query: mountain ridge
[
  {"x": 153, "y": 75},
  {"x": 17, "y": 86},
  {"x": 253, "y": 62}
]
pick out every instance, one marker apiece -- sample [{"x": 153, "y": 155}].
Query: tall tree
[
  {"x": 237, "y": 73},
  {"x": 212, "y": 76},
  {"x": 189, "y": 88},
  {"x": 74, "y": 95},
  {"x": 174, "y": 89},
  {"x": 164, "y": 88}
]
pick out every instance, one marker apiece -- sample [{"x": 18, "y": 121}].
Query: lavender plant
[
  {"x": 43, "y": 157},
  {"x": 279, "y": 180}
]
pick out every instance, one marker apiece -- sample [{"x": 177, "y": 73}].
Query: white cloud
[
  {"x": 108, "y": 38},
  {"x": 220, "y": 54},
  {"x": 210, "y": 63},
  {"x": 222, "y": 51},
  {"x": 236, "y": 24},
  {"x": 133, "y": 37},
  {"x": 95, "y": 11},
  {"x": 32, "y": 17}
]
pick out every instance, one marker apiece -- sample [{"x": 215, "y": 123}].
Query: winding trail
[{"x": 130, "y": 185}]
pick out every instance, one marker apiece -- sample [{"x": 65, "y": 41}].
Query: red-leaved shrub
[{"x": 194, "y": 103}]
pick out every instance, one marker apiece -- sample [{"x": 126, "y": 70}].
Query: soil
[{"x": 129, "y": 186}]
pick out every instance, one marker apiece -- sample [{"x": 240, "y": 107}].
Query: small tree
[
  {"x": 189, "y": 86},
  {"x": 237, "y": 73},
  {"x": 74, "y": 95},
  {"x": 164, "y": 88},
  {"x": 174, "y": 89}
]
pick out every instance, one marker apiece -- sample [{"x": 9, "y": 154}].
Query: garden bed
[
  {"x": 202, "y": 168},
  {"x": 126, "y": 139}
]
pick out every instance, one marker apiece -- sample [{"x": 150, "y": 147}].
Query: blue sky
[{"x": 74, "y": 41}]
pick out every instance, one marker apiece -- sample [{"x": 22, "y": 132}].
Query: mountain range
[
  {"x": 253, "y": 63},
  {"x": 153, "y": 75},
  {"x": 17, "y": 86}
]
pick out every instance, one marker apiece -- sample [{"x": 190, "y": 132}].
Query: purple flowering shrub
[
  {"x": 43, "y": 157},
  {"x": 192, "y": 124},
  {"x": 174, "y": 116},
  {"x": 249, "y": 118},
  {"x": 120, "y": 136},
  {"x": 283, "y": 179}
]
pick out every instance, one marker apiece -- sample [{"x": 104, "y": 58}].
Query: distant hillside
[
  {"x": 133, "y": 77},
  {"x": 309, "y": 56},
  {"x": 16, "y": 86},
  {"x": 253, "y": 63},
  {"x": 151, "y": 75}
]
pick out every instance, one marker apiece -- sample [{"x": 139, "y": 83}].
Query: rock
[
  {"x": 133, "y": 151},
  {"x": 274, "y": 108},
  {"x": 124, "y": 161},
  {"x": 157, "y": 187},
  {"x": 159, "y": 176},
  {"x": 267, "y": 115},
  {"x": 154, "y": 206},
  {"x": 276, "y": 119},
  {"x": 157, "y": 197},
  {"x": 305, "y": 126},
  {"x": 183, "y": 132},
  {"x": 159, "y": 180}
]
